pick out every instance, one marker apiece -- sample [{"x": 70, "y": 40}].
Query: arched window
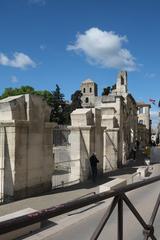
[
  {"x": 141, "y": 110},
  {"x": 86, "y": 100},
  {"x": 140, "y": 121},
  {"x": 84, "y": 90},
  {"x": 90, "y": 90},
  {"x": 122, "y": 80}
]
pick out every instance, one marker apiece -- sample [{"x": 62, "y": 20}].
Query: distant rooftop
[
  {"x": 143, "y": 104},
  {"x": 88, "y": 81},
  {"x": 8, "y": 99},
  {"x": 81, "y": 110}
]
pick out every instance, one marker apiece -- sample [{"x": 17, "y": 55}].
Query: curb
[{"x": 69, "y": 220}]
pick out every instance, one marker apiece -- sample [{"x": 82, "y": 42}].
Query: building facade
[
  {"x": 107, "y": 125},
  {"x": 89, "y": 91},
  {"x": 144, "y": 123},
  {"x": 26, "y": 143},
  {"x": 118, "y": 113}
]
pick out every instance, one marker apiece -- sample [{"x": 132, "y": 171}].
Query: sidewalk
[
  {"x": 65, "y": 194},
  {"x": 59, "y": 196},
  {"x": 60, "y": 223}
]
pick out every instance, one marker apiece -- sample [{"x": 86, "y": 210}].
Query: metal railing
[{"x": 119, "y": 197}]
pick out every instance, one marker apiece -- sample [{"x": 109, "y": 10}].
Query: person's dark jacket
[{"x": 93, "y": 161}]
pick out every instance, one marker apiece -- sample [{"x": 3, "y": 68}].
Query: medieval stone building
[
  {"x": 26, "y": 158},
  {"x": 107, "y": 125},
  {"x": 118, "y": 114},
  {"x": 144, "y": 123}
]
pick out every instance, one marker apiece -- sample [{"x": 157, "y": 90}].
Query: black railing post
[
  {"x": 150, "y": 233},
  {"x": 120, "y": 219},
  {"x": 155, "y": 210},
  {"x": 38, "y": 216},
  {"x": 104, "y": 219}
]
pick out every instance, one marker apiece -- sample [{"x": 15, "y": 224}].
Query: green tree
[
  {"x": 27, "y": 90},
  {"x": 67, "y": 114},
  {"x": 76, "y": 100},
  {"x": 7, "y": 92},
  {"x": 47, "y": 95},
  {"x": 17, "y": 91},
  {"x": 106, "y": 91},
  {"x": 58, "y": 105},
  {"x": 61, "y": 109},
  {"x": 113, "y": 87}
]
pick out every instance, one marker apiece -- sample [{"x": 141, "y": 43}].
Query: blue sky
[{"x": 49, "y": 42}]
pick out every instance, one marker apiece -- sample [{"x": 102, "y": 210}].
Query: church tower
[
  {"x": 89, "y": 92},
  {"x": 122, "y": 84}
]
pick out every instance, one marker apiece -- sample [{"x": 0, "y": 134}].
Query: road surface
[
  {"x": 80, "y": 224},
  {"x": 143, "y": 199},
  {"x": 155, "y": 154}
]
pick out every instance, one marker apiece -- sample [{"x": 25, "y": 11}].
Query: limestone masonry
[
  {"x": 26, "y": 158},
  {"x": 36, "y": 155},
  {"x": 109, "y": 125}
]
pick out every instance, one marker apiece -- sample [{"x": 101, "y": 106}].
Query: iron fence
[
  {"x": 61, "y": 135},
  {"x": 119, "y": 197}
]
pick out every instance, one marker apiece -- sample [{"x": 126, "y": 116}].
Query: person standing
[
  {"x": 147, "y": 152},
  {"x": 93, "y": 162},
  {"x": 137, "y": 144},
  {"x": 134, "y": 153}
]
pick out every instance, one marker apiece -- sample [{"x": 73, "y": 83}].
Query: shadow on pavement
[
  {"x": 129, "y": 168},
  {"x": 86, "y": 209}
]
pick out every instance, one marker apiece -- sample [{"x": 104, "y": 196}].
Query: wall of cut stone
[
  {"x": 28, "y": 138},
  {"x": 86, "y": 138}
]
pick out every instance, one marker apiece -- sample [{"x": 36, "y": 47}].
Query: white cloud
[
  {"x": 154, "y": 118},
  {"x": 150, "y": 75},
  {"x": 40, "y": 2},
  {"x": 43, "y": 47},
  {"x": 19, "y": 60},
  {"x": 104, "y": 48},
  {"x": 14, "y": 79}
]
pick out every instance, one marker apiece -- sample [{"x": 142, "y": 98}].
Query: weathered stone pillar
[
  {"x": 98, "y": 138},
  {"x": 28, "y": 143},
  {"x": 2, "y": 149},
  {"x": 75, "y": 155},
  {"x": 111, "y": 150},
  {"x": 82, "y": 143}
]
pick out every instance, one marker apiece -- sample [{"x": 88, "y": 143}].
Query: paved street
[
  {"x": 144, "y": 200},
  {"x": 155, "y": 154},
  {"x": 62, "y": 195},
  {"x": 81, "y": 223}
]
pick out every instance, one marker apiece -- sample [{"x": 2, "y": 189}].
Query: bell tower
[
  {"x": 122, "y": 83},
  {"x": 89, "y": 92}
]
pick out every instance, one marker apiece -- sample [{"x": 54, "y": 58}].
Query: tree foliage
[
  {"x": 26, "y": 90},
  {"x": 46, "y": 95},
  {"x": 16, "y": 91},
  {"x": 113, "y": 87},
  {"x": 76, "y": 100},
  {"x": 106, "y": 91},
  {"x": 60, "y": 108}
]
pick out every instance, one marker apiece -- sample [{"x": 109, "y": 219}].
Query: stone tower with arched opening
[
  {"x": 122, "y": 84},
  {"x": 89, "y": 92}
]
